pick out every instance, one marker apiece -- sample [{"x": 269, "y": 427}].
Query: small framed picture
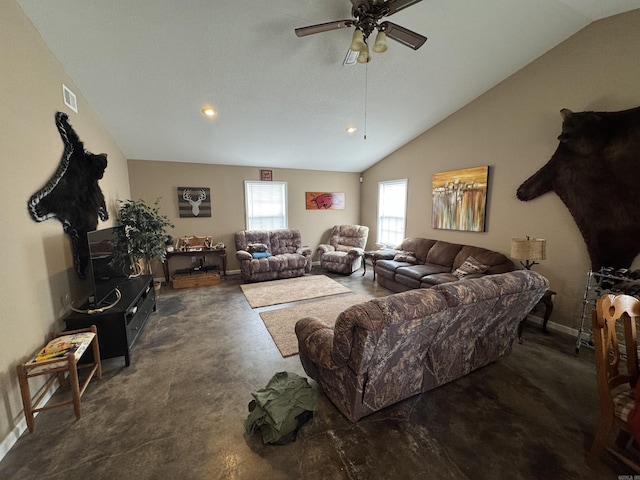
[{"x": 266, "y": 175}]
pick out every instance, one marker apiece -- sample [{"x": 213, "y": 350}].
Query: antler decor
[
  {"x": 91, "y": 311},
  {"x": 194, "y": 202}
]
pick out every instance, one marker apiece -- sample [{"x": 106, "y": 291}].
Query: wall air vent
[{"x": 69, "y": 98}]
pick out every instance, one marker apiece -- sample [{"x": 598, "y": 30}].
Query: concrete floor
[{"x": 177, "y": 411}]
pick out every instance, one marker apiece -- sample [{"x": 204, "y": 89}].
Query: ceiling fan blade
[
  {"x": 397, "y": 5},
  {"x": 323, "y": 27},
  {"x": 403, "y": 35}
]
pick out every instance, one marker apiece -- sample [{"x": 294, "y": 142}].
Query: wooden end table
[
  {"x": 547, "y": 301},
  {"x": 374, "y": 256}
]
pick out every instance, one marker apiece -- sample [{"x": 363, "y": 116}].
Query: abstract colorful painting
[
  {"x": 325, "y": 200},
  {"x": 460, "y": 199}
]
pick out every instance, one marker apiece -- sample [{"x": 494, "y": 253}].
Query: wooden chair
[
  {"x": 59, "y": 358},
  {"x": 615, "y": 384}
]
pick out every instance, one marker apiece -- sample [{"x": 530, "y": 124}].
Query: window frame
[
  {"x": 381, "y": 227},
  {"x": 249, "y": 205}
]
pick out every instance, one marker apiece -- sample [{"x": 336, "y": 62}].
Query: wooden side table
[
  {"x": 374, "y": 256},
  {"x": 547, "y": 301},
  {"x": 60, "y": 356},
  {"x": 201, "y": 252}
]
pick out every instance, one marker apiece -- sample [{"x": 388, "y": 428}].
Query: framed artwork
[
  {"x": 194, "y": 202},
  {"x": 460, "y": 199},
  {"x": 324, "y": 200},
  {"x": 266, "y": 175}
]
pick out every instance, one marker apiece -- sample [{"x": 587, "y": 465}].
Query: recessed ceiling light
[
  {"x": 351, "y": 129},
  {"x": 209, "y": 111}
]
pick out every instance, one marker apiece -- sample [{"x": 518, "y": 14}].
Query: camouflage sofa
[
  {"x": 271, "y": 254},
  {"x": 391, "y": 348}
]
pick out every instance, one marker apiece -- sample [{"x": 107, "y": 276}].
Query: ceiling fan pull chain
[{"x": 366, "y": 94}]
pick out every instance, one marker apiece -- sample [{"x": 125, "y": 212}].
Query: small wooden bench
[{"x": 61, "y": 354}]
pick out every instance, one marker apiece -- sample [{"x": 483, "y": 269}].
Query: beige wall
[
  {"x": 513, "y": 129},
  {"x": 151, "y": 180},
  {"x": 36, "y": 258}
]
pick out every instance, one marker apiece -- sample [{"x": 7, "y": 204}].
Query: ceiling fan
[{"x": 367, "y": 16}]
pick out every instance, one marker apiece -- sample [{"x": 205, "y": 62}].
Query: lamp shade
[
  {"x": 528, "y": 248},
  {"x": 364, "y": 56},
  {"x": 357, "y": 42},
  {"x": 380, "y": 45}
]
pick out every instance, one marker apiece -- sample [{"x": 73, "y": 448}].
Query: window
[
  {"x": 265, "y": 205},
  {"x": 392, "y": 206}
]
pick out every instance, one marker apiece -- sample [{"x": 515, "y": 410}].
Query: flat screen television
[{"x": 109, "y": 260}]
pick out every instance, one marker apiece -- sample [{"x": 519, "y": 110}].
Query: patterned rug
[
  {"x": 281, "y": 322},
  {"x": 275, "y": 292}
]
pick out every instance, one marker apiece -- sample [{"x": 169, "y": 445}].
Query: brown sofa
[
  {"x": 436, "y": 262},
  {"x": 391, "y": 348},
  {"x": 282, "y": 255}
]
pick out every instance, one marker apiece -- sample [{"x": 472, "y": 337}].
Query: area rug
[
  {"x": 281, "y": 322},
  {"x": 288, "y": 290}
]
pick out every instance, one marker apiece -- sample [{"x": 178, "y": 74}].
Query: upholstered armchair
[{"x": 345, "y": 250}]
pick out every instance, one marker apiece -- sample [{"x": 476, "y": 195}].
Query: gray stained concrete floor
[{"x": 177, "y": 411}]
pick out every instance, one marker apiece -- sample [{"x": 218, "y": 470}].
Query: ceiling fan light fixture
[
  {"x": 351, "y": 129},
  {"x": 357, "y": 42},
  {"x": 364, "y": 56},
  {"x": 380, "y": 45}
]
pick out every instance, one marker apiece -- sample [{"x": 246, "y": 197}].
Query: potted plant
[{"x": 145, "y": 232}]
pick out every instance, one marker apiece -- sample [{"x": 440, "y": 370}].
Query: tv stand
[{"x": 119, "y": 326}]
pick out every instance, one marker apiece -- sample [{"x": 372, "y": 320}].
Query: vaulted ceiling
[{"x": 148, "y": 67}]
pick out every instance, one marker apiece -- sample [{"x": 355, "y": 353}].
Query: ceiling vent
[{"x": 69, "y": 98}]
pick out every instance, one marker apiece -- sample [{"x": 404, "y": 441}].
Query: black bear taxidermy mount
[
  {"x": 73, "y": 195},
  {"x": 596, "y": 173}
]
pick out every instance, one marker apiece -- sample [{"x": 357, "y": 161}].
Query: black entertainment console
[{"x": 118, "y": 327}]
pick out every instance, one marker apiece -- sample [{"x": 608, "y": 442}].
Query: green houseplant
[{"x": 145, "y": 230}]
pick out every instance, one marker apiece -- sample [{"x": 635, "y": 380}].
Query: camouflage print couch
[
  {"x": 271, "y": 254},
  {"x": 391, "y": 348}
]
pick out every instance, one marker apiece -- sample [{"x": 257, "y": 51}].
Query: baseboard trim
[
  {"x": 21, "y": 424},
  {"x": 553, "y": 325}
]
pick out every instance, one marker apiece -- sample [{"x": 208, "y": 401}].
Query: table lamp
[{"x": 529, "y": 250}]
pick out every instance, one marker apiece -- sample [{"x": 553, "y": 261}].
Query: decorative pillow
[
  {"x": 257, "y": 247},
  {"x": 260, "y": 254},
  {"x": 408, "y": 257},
  {"x": 469, "y": 266}
]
